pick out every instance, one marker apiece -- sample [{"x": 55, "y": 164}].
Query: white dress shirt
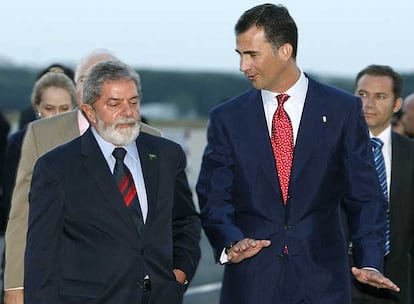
[
  {"x": 133, "y": 163},
  {"x": 293, "y": 106}
]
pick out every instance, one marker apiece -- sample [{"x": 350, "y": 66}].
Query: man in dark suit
[
  {"x": 4, "y": 131},
  {"x": 279, "y": 161},
  {"x": 42, "y": 136},
  {"x": 111, "y": 216},
  {"x": 380, "y": 89}
]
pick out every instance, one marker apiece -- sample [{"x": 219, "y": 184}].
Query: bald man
[{"x": 408, "y": 116}]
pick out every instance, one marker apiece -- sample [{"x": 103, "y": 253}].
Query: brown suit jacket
[{"x": 41, "y": 136}]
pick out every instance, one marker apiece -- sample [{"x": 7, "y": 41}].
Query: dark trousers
[
  {"x": 365, "y": 294},
  {"x": 146, "y": 297},
  {"x": 289, "y": 293}
]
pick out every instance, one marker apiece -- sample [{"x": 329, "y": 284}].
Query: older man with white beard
[
  {"x": 42, "y": 136},
  {"x": 111, "y": 215}
]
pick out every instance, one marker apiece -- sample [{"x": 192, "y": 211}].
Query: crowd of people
[{"x": 306, "y": 192}]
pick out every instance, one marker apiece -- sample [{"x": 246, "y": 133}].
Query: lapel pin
[
  {"x": 152, "y": 156},
  {"x": 324, "y": 118}
]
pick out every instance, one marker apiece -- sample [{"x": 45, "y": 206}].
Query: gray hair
[
  {"x": 94, "y": 56},
  {"x": 104, "y": 71}
]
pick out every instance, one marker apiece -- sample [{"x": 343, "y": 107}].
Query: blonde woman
[{"x": 52, "y": 94}]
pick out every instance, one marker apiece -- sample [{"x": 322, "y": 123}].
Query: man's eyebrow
[{"x": 246, "y": 52}]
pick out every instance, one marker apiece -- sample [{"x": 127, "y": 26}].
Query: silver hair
[
  {"x": 101, "y": 54},
  {"x": 104, "y": 71}
]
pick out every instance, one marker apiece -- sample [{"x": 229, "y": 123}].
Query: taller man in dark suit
[
  {"x": 380, "y": 89},
  {"x": 279, "y": 161},
  {"x": 111, "y": 215}
]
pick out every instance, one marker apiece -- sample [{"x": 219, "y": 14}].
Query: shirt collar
[
  {"x": 385, "y": 136},
  {"x": 83, "y": 123},
  {"x": 296, "y": 92}
]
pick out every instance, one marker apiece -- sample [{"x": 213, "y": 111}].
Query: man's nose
[
  {"x": 129, "y": 109},
  {"x": 368, "y": 101},
  {"x": 244, "y": 64}
]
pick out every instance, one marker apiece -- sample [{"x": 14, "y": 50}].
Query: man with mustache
[
  {"x": 41, "y": 137},
  {"x": 111, "y": 215}
]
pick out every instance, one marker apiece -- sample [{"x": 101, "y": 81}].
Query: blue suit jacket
[
  {"x": 240, "y": 196},
  {"x": 82, "y": 245}
]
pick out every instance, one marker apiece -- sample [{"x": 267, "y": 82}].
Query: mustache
[{"x": 126, "y": 120}]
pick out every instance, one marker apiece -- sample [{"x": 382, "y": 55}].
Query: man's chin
[{"x": 122, "y": 136}]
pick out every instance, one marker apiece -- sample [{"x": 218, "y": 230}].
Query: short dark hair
[
  {"x": 279, "y": 27},
  {"x": 383, "y": 70},
  {"x": 104, "y": 71}
]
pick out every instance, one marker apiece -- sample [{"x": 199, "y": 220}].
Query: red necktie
[
  {"x": 127, "y": 188},
  {"x": 282, "y": 144}
]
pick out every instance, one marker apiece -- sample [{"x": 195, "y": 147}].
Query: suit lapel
[
  {"x": 398, "y": 169},
  {"x": 312, "y": 124},
  {"x": 150, "y": 164},
  {"x": 96, "y": 167},
  {"x": 259, "y": 136}
]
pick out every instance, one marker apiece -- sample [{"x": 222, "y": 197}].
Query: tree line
[{"x": 195, "y": 92}]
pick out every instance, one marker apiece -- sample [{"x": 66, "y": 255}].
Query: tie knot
[
  {"x": 282, "y": 98},
  {"x": 376, "y": 143},
  {"x": 119, "y": 153}
]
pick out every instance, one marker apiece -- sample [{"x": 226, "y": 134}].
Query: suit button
[
  {"x": 142, "y": 252},
  {"x": 287, "y": 227}
]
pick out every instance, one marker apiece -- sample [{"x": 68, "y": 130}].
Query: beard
[{"x": 118, "y": 136}]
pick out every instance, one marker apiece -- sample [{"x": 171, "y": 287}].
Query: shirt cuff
[
  {"x": 370, "y": 268},
  {"x": 223, "y": 257},
  {"x": 14, "y": 288}
]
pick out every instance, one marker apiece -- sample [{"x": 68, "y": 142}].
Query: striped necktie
[
  {"x": 377, "y": 144},
  {"x": 127, "y": 188}
]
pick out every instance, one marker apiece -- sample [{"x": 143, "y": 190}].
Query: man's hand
[
  {"x": 374, "y": 278},
  {"x": 180, "y": 276},
  {"x": 246, "y": 248},
  {"x": 15, "y": 296}
]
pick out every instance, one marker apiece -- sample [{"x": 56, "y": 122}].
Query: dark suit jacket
[
  {"x": 11, "y": 162},
  {"x": 397, "y": 263},
  {"x": 82, "y": 245},
  {"x": 240, "y": 196},
  {"x": 4, "y": 131}
]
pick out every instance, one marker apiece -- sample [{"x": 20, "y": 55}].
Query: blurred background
[{"x": 184, "y": 52}]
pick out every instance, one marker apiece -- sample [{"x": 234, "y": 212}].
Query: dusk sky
[{"x": 335, "y": 37}]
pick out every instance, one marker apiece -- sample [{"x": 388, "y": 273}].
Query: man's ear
[
  {"x": 397, "y": 105},
  {"x": 89, "y": 112},
  {"x": 285, "y": 51}
]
